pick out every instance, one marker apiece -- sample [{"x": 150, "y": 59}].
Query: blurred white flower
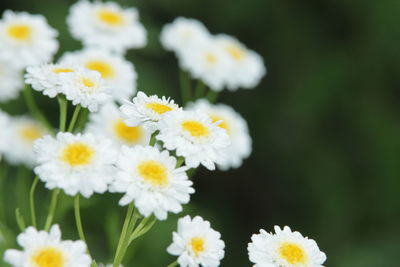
[
  {"x": 284, "y": 248},
  {"x": 11, "y": 81},
  {"x": 106, "y": 25},
  {"x": 26, "y": 39},
  {"x": 75, "y": 163},
  {"x": 46, "y": 249},
  {"x": 196, "y": 243},
  {"x": 4, "y": 125}
]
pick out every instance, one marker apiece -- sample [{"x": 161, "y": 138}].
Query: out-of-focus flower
[
  {"x": 75, "y": 163},
  {"x": 196, "y": 243},
  {"x": 26, "y": 39},
  {"x": 4, "y": 125},
  {"x": 106, "y": 25},
  {"x": 109, "y": 123},
  {"x": 147, "y": 110},
  {"x": 42, "y": 249},
  {"x": 11, "y": 81},
  {"x": 284, "y": 248},
  {"x": 235, "y": 126},
  {"x": 246, "y": 67},
  {"x": 119, "y": 74},
  {"x": 150, "y": 179},
  {"x": 194, "y": 136}
]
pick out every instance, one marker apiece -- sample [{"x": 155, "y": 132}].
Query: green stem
[
  {"x": 123, "y": 236},
  {"x": 185, "y": 87},
  {"x": 173, "y": 264},
  {"x": 71, "y": 126},
  {"x": 212, "y": 96},
  {"x": 153, "y": 139},
  {"x": 78, "y": 219},
  {"x": 200, "y": 90},
  {"x": 142, "y": 229},
  {"x": 80, "y": 125},
  {"x": 63, "y": 105},
  {"x": 52, "y": 209},
  {"x": 32, "y": 201},
  {"x": 33, "y": 108}
]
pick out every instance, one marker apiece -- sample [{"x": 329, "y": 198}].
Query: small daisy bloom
[
  {"x": 208, "y": 62},
  {"x": 284, "y": 248},
  {"x": 246, "y": 66},
  {"x": 106, "y": 25},
  {"x": 22, "y": 133},
  {"x": 86, "y": 88},
  {"x": 46, "y": 78},
  {"x": 109, "y": 123},
  {"x": 183, "y": 33},
  {"x": 194, "y": 136},
  {"x": 147, "y": 110},
  {"x": 196, "y": 243},
  {"x": 235, "y": 126},
  {"x": 11, "y": 81},
  {"x": 47, "y": 249},
  {"x": 81, "y": 163},
  {"x": 150, "y": 179},
  {"x": 119, "y": 73},
  {"x": 26, "y": 39}
]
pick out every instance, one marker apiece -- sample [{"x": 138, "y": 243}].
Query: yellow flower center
[
  {"x": 195, "y": 128},
  {"x": 77, "y": 154},
  {"x": 20, "y": 32},
  {"x": 223, "y": 124},
  {"x": 211, "y": 58},
  {"x": 48, "y": 257},
  {"x": 30, "y": 133},
  {"x": 62, "y": 70},
  {"x": 158, "y": 108},
  {"x": 130, "y": 135},
  {"x": 153, "y": 172},
  {"x": 111, "y": 18},
  {"x": 197, "y": 244},
  {"x": 87, "y": 82},
  {"x": 236, "y": 52},
  {"x": 104, "y": 68},
  {"x": 292, "y": 253}
]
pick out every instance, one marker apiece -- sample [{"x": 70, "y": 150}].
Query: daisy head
[
  {"x": 183, "y": 33},
  {"x": 194, "y": 136},
  {"x": 26, "y": 39},
  {"x": 235, "y": 126},
  {"x": 109, "y": 123},
  {"x": 147, "y": 110},
  {"x": 86, "y": 88},
  {"x": 47, "y": 249},
  {"x": 196, "y": 243},
  {"x": 119, "y": 74},
  {"x": 81, "y": 163},
  {"x": 106, "y": 25},
  {"x": 284, "y": 248},
  {"x": 150, "y": 179},
  {"x": 11, "y": 81}
]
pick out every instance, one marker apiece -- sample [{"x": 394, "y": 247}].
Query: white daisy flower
[
  {"x": 150, "y": 178},
  {"x": 208, "y": 62},
  {"x": 11, "y": 82},
  {"x": 22, "y": 133},
  {"x": 246, "y": 66},
  {"x": 194, "y": 136},
  {"x": 106, "y": 25},
  {"x": 46, "y": 78},
  {"x": 147, "y": 110},
  {"x": 109, "y": 123},
  {"x": 196, "y": 243},
  {"x": 75, "y": 163},
  {"x": 183, "y": 33},
  {"x": 4, "y": 125},
  {"x": 85, "y": 87},
  {"x": 47, "y": 249},
  {"x": 284, "y": 249},
  {"x": 119, "y": 73},
  {"x": 26, "y": 39},
  {"x": 235, "y": 126}
]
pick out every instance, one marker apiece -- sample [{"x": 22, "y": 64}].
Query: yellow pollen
[
  {"x": 211, "y": 58},
  {"x": 31, "y": 133},
  {"x": 48, "y": 257},
  {"x": 236, "y": 52},
  {"x": 77, "y": 154},
  {"x": 223, "y": 124},
  {"x": 195, "y": 128},
  {"x": 20, "y": 32},
  {"x": 111, "y": 18},
  {"x": 130, "y": 135},
  {"x": 62, "y": 70},
  {"x": 102, "y": 67},
  {"x": 158, "y": 108},
  {"x": 153, "y": 172},
  {"x": 87, "y": 82},
  {"x": 197, "y": 245},
  {"x": 292, "y": 253}
]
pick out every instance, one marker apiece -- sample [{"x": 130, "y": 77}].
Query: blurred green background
[{"x": 325, "y": 124}]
